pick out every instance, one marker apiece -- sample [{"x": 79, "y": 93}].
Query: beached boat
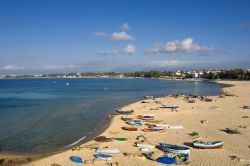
[
  {"x": 76, "y": 159},
  {"x": 173, "y": 159},
  {"x": 103, "y": 156},
  {"x": 245, "y": 107},
  {"x": 174, "y": 148},
  {"x": 119, "y": 139},
  {"x": 169, "y": 158},
  {"x": 170, "y": 105},
  {"x": 152, "y": 121},
  {"x": 119, "y": 112},
  {"x": 145, "y": 146},
  {"x": 154, "y": 129},
  {"x": 129, "y": 128},
  {"x": 103, "y": 139},
  {"x": 148, "y": 97},
  {"x": 175, "y": 127},
  {"x": 107, "y": 150},
  {"x": 145, "y": 117},
  {"x": 208, "y": 145},
  {"x": 134, "y": 123}
]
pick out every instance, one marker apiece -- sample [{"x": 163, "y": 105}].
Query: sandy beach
[{"x": 207, "y": 118}]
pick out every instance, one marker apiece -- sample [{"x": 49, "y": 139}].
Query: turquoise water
[{"x": 45, "y": 115}]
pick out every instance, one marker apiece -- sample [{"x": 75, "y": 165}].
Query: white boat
[
  {"x": 175, "y": 127},
  {"x": 208, "y": 145},
  {"x": 161, "y": 125},
  {"x": 107, "y": 150},
  {"x": 170, "y": 105},
  {"x": 145, "y": 146},
  {"x": 103, "y": 156},
  {"x": 175, "y": 148}
]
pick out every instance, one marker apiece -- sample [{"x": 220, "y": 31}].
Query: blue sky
[{"x": 50, "y": 36}]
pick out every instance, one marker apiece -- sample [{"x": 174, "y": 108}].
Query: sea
[{"x": 45, "y": 115}]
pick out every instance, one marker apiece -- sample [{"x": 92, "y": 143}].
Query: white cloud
[
  {"x": 11, "y": 67},
  {"x": 184, "y": 46},
  {"x": 100, "y": 34},
  {"x": 112, "y": 52},
  {"x": 129, "y": 49},
  {"x": 125, "y": 26},
  {"x": 119, "y": 36}
]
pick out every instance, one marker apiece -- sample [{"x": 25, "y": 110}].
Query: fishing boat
[
  {"x": 145, "y": 117},
  {"x": 170, "y": 105},
  {"x": 208, "y": 145},
  {"x": 76, "y": 159},
  {"x": 175, "y": 127},
  {"x": 134, "y": 123},
  {"x": 107, "y": 150},
  {"x": 145, "y": 146},
  {"x": 154, "y": 129},
  {"x": 103, "y": 156},
  {"x": 174, "y": 148},
  {"x": 152, "y": 121},
  {"x": 173, "y": 158},
  {"x": 103, "y": 139},
  {"x": 129, "y": 128},
  {"x": 148, "y": 97},
  {"x": 119, "y": 139},
  {"x": 119, "y": 112}
]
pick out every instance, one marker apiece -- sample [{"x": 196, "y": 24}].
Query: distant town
[{"x": 233, "y": 74}]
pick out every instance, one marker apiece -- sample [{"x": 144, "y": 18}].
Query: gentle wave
[{"x": 73, "y": 144}]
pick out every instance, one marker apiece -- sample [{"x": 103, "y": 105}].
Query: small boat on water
[
  {"x": 119, "y": 112},
  {"x": 129, "y": 128},
  {"x": 208, "y": 145},
  {"x": 76, "y": 159},
  {"x": 154, "y": 129},
  {"x": 107, "y": 150},
  {"x": 174, "y": 148},
  {"x": 170, "y": 105},
  {"x": 103, "y": 156}
]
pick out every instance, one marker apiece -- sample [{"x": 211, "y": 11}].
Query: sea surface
[{"x": 47, "y": 115}]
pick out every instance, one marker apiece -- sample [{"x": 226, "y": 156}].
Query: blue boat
[
  {"x": 103, "y": 156},
  {"x": 174, "y": 148},
  {"x": 124, "y": 112},
  {"x": 76, "y": 159},
  {"x": 173, "y": 159}
]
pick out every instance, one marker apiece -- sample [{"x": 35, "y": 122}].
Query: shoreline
[{"x": 110, "y": 126}]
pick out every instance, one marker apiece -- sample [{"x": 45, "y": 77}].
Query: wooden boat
[
  {"x": 119, "y": 139},
  {"x": 170, "y": 105},
  {"x": 103, "y": 156},
  {"x": 103, "y": 139},
  {"x": 129, "y": 128},
  {"x": 154, "y": 129},
  {"x": 174, "y": 148},
  {"x": 119, "y": 112},
  {"x": 76, "y": 159},
  {"x": 208, "y": 145},
  {"x": 173, "y": 159},
  {"x": 107, "y": 150},
  {"x": 152, "y": 121},
  {"x": 146, "y": 117},
  {"x": 145, "y": 146}
]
